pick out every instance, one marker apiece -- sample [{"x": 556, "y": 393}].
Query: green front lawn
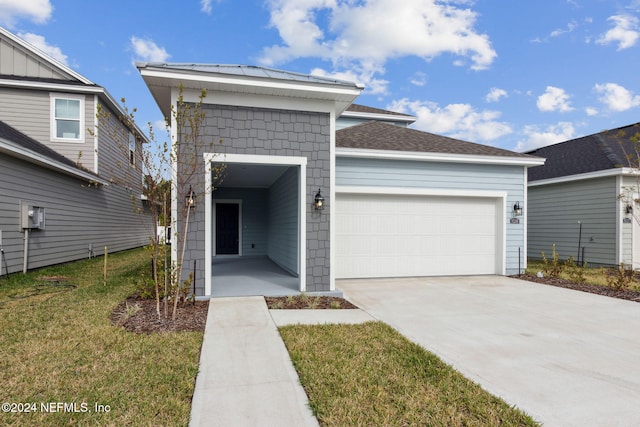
[
  {"x": 369, "y": 375},
  {"x": 58, "y": 347}
]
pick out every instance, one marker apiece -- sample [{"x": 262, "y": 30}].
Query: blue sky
[{"x": 512, "y": 74}]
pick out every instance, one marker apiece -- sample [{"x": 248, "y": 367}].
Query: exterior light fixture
[
  {"x": 318, "y": 201},
  {"x": 190, "y": 199},
  {"x": 628, "y": 209},
  {"x": 517, "y": 209}
]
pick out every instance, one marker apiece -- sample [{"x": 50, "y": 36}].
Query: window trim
[
  {"x": 53, "y": 123},
  {"x": 132, "y": 153}
]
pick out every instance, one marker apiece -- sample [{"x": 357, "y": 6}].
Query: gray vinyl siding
[
  {"x": 554, "y": 212},
  {"x": 113, "y": 152},
  {"x": 77, "y": 215},
  {"x": 283, "y": 221},
  {"x": 453, "y": 176},
  {"x": 254, "y": 219},
  {"x": 29, "y": 111}
]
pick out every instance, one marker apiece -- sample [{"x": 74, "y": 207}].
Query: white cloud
[
  {"x": 206, "y": 6},
  {"x": 147, "y": 50},
  {"x": 495, "y": 94},
  {"x": 536, "y": 137},
  {"x": 554, "y": 99},
  {"x": 419, "y": 79},
  {"x": 38, "y": 11},
  {"x": 591, "y": 111},
  {"x": 357, "y": 74},
  {"x": 40, "y": 43},
  {"x": 616, "y": 97},
  {"x": 625, "y": 32},
  {"x": 571, "y": 26},
  {"x": 371, "y": 32},
  {"x": 454, "y": 120}
]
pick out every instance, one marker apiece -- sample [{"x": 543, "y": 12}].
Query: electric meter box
[{"x": 32, "y": 217}]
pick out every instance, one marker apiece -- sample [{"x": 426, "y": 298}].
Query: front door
[{"x": 227, "y": 223}]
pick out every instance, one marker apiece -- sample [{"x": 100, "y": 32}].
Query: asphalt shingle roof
[
  {"x": 358, "y": 108},
  {"x": 383, "y": 136},
  {"x": 609, "y": 149},
  {"x": 11, "y": 134}
]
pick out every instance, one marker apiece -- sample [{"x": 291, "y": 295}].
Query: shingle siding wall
[
  {"x": 554, "y": 212},
  {"x": 432, "y": 175},
  {"x": 268, "y": 132},
  {"x": 76, "y": 215}
]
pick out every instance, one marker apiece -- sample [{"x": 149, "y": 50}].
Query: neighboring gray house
[
  {"x": 65, "y": 192},
  {"x": 584, "y": 199},
  {"x": 397, "y": 202}
]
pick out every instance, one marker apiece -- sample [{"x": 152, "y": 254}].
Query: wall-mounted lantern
[
  {"x": 318, "y": 201},
  {"x": 190, "y": 199},
  {"x": 628, "y": 209},
  {"x": 517, "y": 209}
]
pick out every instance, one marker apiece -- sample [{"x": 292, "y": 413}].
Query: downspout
[{"x": 26, "y": 251}]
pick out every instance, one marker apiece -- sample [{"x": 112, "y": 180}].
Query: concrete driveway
[{"x": 567, "y": 358}]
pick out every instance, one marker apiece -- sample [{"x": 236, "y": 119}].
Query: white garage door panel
[{"x": 393, "y": 236}]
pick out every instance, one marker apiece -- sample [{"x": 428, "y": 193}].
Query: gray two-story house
[{"x": 70, "y": 169}]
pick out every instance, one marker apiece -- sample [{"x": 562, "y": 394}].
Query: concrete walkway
[
  {"x": 567, "y": 358},
  {"x": 246, "y": 377}
]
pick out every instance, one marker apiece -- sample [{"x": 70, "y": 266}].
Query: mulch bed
[
  {"x": 308, "y": 302},
  {"x": 190, "y": 317},
  {"x": 625, "y": 294},
  {"x": 139, "y": 315}
]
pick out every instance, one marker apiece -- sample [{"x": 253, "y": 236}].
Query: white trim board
[
  {"x": 437, "y": 157},
  {"x": 301, "y": 162}
]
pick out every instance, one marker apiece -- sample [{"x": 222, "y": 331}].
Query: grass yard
[
  {"x": 369, "y": 374},
  {"x": 58, "y": 347}
]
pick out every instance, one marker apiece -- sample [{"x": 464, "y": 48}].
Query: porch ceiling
[{"x": 240, "y": 175}]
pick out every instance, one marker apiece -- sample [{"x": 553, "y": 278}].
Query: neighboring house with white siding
[
  {"x": 66, "y": 192},
  {"x": 585, "y": 199},
  {"x": 396, "y": 202}
]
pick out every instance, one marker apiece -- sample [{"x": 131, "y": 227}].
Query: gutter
[{"x": 36, "y": 158}]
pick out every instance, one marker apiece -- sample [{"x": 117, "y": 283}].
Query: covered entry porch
[{"x": 255, "y": 226}]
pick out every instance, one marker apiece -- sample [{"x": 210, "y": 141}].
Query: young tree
[
  {"x": 158, "y": 160},
  {"x": 188, "y": 143}
]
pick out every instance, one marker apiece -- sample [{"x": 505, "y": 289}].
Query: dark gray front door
[{"x": 227, "y": 222}]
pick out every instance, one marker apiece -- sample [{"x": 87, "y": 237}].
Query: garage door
[{"x": 403, "y": 236}]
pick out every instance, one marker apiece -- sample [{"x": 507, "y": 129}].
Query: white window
[
  {"x": 132, "y": 149},
  {"x": 67, "y": 118}
]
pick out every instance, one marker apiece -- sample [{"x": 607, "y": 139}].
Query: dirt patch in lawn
[
  {"x": 139, "y": 315},
  {"x": 626, "y": 294}
]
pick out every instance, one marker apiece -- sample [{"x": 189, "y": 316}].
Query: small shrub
[
  {"x": 335, "y": 305},
  {"x": 576, "y": 273},
  {"x": 128, "y": 311},
  {"x": 314, "y": 303},
  {"x": 619, "y": 278},
  {"x": 554, "y": 267}
]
